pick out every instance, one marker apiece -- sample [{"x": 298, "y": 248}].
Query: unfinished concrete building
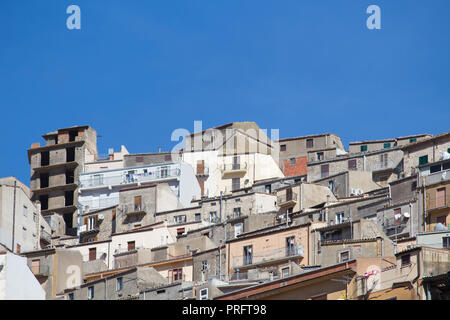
[{"x": 55, "y": 168}]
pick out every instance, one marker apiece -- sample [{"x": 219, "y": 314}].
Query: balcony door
[
  {"x": 248, "y": 255},
  {"x": 288, "y": 194},
  {"x": 290, "y": 246},
  {"x": 236, "y": 163},
  {"x": 440, "y": 198}
]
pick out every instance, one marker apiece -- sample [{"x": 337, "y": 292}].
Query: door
[
  {"x": 131, "y": 245},
  {"x": 236, "y": 163},
  {"x": 440, "y": 198},
  {"x": 138, "y": 203},
  {"x": 92, "y": 254},
  {"x": 288, "y": 194}
]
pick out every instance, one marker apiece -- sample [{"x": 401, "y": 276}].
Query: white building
[
  {"x": 231, "y": 157},
  {"x": 17, "y": 282}
]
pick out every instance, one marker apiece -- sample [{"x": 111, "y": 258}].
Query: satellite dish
[
  {"x": 406, "y": 214},
  {"x": 440, "y": 227}
]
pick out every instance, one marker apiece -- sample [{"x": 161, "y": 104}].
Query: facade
[
  {"x": 114, "y": 160},
  {"x": 15, "y": 276},
  {"x": 374, "y": 145},
  {"x": 22, "y": 228},
  {"x": 55, "y": 168},
  {"x": 231, "y": 157}
]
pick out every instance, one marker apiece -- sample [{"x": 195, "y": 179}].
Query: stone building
[{"x": 55, "y": 168}]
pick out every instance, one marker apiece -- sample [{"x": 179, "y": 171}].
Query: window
[
  {"x": 363, "y": 148},
  {"x": 440, "y": 197},
  {"x": 383, "y": 160},
  {"x": 268, "y": 188},
  {"x": 435, "y": 168},
  {"x": 406, "y": 260},
  {"x": 180, "y": 231},
  {"x": 285, "y": 272},
  {"x": 319, "y": 156},
  {"x": 71, "y": 297},
  {"x": 387, "y": 145},
  {"x": 204, "y": 265},
  {"x": 236, "y": 163},
  {"x": 91, "y": 222},
  {"x": 442, "y": 219},
  {"x": 324, "y": 170},
  {"x": 238, "y": 229},
  {"x": 235, "y": 184},
  {"x": 397, "y": 216},
  {"x": 138, "y": 203},
  {"x": 204, "y": 294},
  {"x": 179, "y": 219},
  {"x": 45, "y": 158},
  {"x": 331, "y": 185},
  {"x": 423, "y": 160},
  {"x": 119, "y": 283},
  {"x": 236, "y": 212},
  {"x": 131, "y": 245},
  {"x": 198, "y": 217},
  {"x": 412, "y": 140},
  {"x": 339, "y": 217},
  {"x": 90, "y": 293},
  {"x": 344, "y": 256},
  {"x": 309, "y": 143},
  {"x": 292, "y": 162},
  {"x": 70, "y": 154},
  {"x": 164, "y": 172},
  {"x": 248, "y": 255},
  {"x": 446, "y": 242},
  {"x": 283, "y": 147},
  {"x": 92, "y": 254},
  {"x": 177, "y": 274},
  {"x": 34, "y": 216},
  {"x": 24, "y": 211},
  {"x": 352, "y": 164},
  {"x": 290, "y": 246},
  {"x": 213, "y": 216}
]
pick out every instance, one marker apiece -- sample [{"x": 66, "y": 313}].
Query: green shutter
[
  {"x": 448, "y": 150},
  {"x": 363, "y": 148},
  {"x": 387, "y": 145},
  {"x": 423, "y": 160},
  {"x": 412, "y": 140}
]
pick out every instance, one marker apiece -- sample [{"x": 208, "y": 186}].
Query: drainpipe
[
  {"x": 411, "y": 219},
  {"x": 418, "y": 273},
  {"x": 14, "y": 215}
]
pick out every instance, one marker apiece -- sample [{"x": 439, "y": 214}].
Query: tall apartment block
[{"x": 55, "y": 168}]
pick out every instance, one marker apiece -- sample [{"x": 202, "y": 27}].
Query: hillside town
[{"x": 232, "y": 215}]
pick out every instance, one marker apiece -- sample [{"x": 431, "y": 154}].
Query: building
[
  {"x": 231, "y": 157},
  {"x": 22, "y": 228},
  {"x": 114, "y": 160},
  {"x": 15, "y": 276},
  {"x": 55, "y": 168},
  {"x": 375, "y": 145},
  {"x": 295, "y": 153}
]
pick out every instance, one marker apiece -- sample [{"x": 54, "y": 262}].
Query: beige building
[
  {"x": 375, "y": 145},
  {"x": 114, "y": 160},
  {"x": 230, "y": 157}
]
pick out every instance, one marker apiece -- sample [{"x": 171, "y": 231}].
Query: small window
[
  {"x": 285, "y": 272},
  {"x": 319, "y": 156},
  {"x": 268, "y": 188},
  {"x": 446, "y": 242},
  {"x": 339, "y": 217},
  {"x": 363, "y": 148},
  {"x": 352, "y": 164},
  {"x": 180, "y": 231},
  {"x": 24, "y": 211},
  {"x": 324, "y": 170},
  {"x": 198, "y": 217},
  {"x": 119, "y": 283},
  {"x": 292, "y": 161},
  {"x": 344, "y": 256},
  {"x": 283, "y": 147},
  {"x": 213, "y": 216},
  {"x": 406, "y": 260},
  {"x": 331, "y": 185},
  {"x": 238, "y": 229},
  {"x": 435, "y": 168},
  {"x": 423, "y": 160},
  {"x": 236, "y": 212},
  {"x": 71, "y": 297},
  {"x": 90, "y": 293},
  {"x": 204, "y": 294},
  {"x": 412, "y": 140},
  {"x": 204, "y": 265},
  {"x": 387, "y": 145},
  {"x": 131, "y": 245},
  {"x": 309, "y": 143},
  {"x": 180, "y": 219}
]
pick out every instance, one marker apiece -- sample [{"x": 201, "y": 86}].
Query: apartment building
[
  {"x": 55, "y": 168},
  {"x": 113, "y": 160},
  {"x": 22, "y": 228},
  {"x": 231, "y": 157},
  {"x": 177, "y": 186},
  {"x": 295, "y": 153},
  {"x": 385, "y": 165}
]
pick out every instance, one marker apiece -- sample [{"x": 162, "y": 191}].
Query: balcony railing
[
  {"x": 437, "y": 203},
  {"x": 382, "y": 165},
  {"x": 202, "y": 171},
  {"x": 130, "y": 210},
  {"x": 287, "y": 198},
  {"x": 45, "y": 236},
  {"x": 437, "y": 177},
  {"x": 93, "y": 181},
  {"x": 267, "y": 256},
  {"x": 97, "y": 203}
]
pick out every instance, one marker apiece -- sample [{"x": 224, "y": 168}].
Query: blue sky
[{"x": 137, "y": 70}]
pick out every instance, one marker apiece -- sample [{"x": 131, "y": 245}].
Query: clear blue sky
[{"x": 137, "y": 70}]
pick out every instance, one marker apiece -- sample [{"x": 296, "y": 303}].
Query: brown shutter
[
  {"x": 92, "y": 254},
  {"x": 440, "y": 197}
]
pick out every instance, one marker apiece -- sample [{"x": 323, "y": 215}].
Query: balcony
[
  {"x": 434, "y": 204},
  {"x": 202, "y": 172},
  {"x": 85, "y": 231},
  {"x": 437, "y": 177},
  {"x": 46, "y": 237},
  {"x": 268, "y": 257},
  {"x": 286, "y": 200},
  {"x": 42, "y": 270},
  {"x": 123, "y": 178},
  {"x": 382, "y": 166},
  {"x": 234, "y": 169},
  {"x": 134, "y": 210},
  {"x": 88, "y": 205}
]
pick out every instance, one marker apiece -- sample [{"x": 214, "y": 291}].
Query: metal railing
[
  {"x": 435, "y": 203},
  {"x": 46, "y": 236},
  {"x": 436, "y": 177},
  {"x": 286, "y": 198},
  {"x": 97, "y": 203},
  {"x": 133, "y": 208},
  {"x": 267, "y": 256},
  {"x": 203, "y": 172},
  {"x": 234, "y": 166},
  {"x": 93, "y": 181}
]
